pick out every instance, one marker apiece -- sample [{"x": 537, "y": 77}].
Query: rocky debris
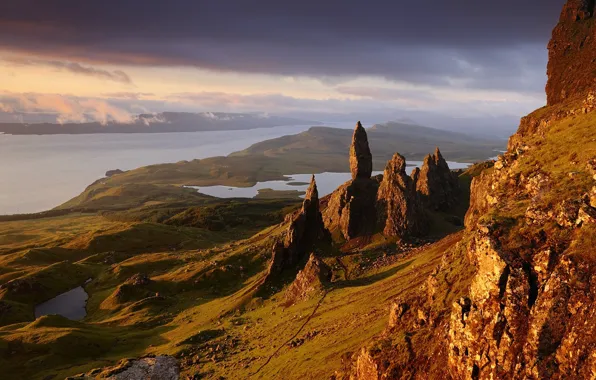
[
  {"x": 300, "y": 341},
  {"x": 21, "y": 286},
  {"x": 572, "y": 53},
  {"x": 162, "y": 367},
  {"x": 305, "y": 230},
  {"x": 399, "y": 208},
  {"x": 398, "y": 309},
  {"x": 310, "y": 280},
  {"x": 111, "y": 173},
  {"x": 366, "y": 367},
  {"x": 436, "y": 184},
  {"x": 360, "y": 156},
  {"x": 591, "y": 166},
  {"x": 139, "y": 279}
]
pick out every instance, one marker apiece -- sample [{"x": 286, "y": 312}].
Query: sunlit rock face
[
  {"x": 400, "y": 211},
  {"x": 437, "y": 186},
  {"x": 304, "y": 231},
  {"x": 360, "y": 156},
  {"x": 572, "y": 53},
  {"x": 352, "y": 207}
]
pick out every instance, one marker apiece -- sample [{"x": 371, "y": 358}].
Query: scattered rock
[
  {"x": 148, "y": 368},
  {"x": 139, "y": 279}
]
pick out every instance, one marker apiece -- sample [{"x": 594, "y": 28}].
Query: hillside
[
  {"x": 320, "y": 149},
  {"x": 488, "y": 273}
]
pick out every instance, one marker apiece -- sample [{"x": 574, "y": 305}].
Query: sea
[{"x": 40, "y": 172}]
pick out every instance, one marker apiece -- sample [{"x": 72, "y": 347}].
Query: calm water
[
  {"x": 38, "y": 173},
  {"x": 70, "y": 305},
  {"x": 326, "y": 183}
]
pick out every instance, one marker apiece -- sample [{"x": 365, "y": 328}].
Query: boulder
[
  {"x": 110, "y": 173},
  {"x": 310, "y": 280},
  {"x": 162, "y": 367}
]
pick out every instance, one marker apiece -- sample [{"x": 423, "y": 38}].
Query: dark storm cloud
[{"x": 471, "y": 43}]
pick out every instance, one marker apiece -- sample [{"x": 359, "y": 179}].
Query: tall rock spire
[
  {"x": 305, "y": 230},
  {"x": 360, "y": 156}
]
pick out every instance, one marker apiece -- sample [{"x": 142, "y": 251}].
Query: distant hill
[
  {"x": 412, "y": 141},
  {"x": 158, "y": 123}
]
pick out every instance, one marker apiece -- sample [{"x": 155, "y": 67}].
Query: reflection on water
[
  {"x": 70, "y": 305},
  {"x": 64, "y": 165},
  {"x": 326, "y": 183}
]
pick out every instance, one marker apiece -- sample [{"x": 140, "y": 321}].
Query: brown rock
[
  {"x": 436, "y": 184},
  {"x": 139, "y": 279},
  {"x": 310, "y": 280},
  {"x": 400, "y": 211},
  {"x": 572, "y": 53},
  {"x": 352, "y": 208},
  {"x": 305, "y": 230},
  {"x": 148, "y": 368},
  {"x": 360, "y": 156}
]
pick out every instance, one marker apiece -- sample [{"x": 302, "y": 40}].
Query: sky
[{"x": 457, "y": 64}]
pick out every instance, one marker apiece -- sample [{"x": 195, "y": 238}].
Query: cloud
[
  {"x": 75, "y": 68},
  {"x": 470, "y": 44},
  {"x": 67, "y": 109},
  {"x": 129, "y": 95}
]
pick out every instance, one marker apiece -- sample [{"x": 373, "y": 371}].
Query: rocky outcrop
[
  {"x": 148, "y": 368},
  {"x": 305, "y": 231},
  {"x": 309, "y": 281},
  {"x": 529, "y": 309},
  {"x": 352, "y": 207},
  {"x": 114, "y": 172},
  {"x": 360, "y": 156},
  {"x": 399, "y": 208},
  {"x": 436, "y": 184},
  {"x": 572, "y": 53}
]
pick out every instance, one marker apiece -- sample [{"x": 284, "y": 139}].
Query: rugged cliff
[
  {"x": 572, "y": 53},
  {"x": 524, "y": 272}
]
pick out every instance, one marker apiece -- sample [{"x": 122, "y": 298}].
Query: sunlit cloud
[
  {"x": 74, "y": 68},
  {"x": 68, "y": 109}
]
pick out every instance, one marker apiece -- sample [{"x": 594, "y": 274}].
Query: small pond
[
  {"x": 326, "y": 183},
  {"x": 70, "y": 305}
]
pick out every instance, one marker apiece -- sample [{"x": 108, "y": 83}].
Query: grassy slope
[{"x": 203, "y": 282}]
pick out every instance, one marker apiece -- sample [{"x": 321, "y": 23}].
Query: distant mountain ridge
[{"x": 163, "y": 122}]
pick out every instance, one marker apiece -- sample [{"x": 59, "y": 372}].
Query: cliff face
[
  {"x": 572, "y": 53},
  {"x": 529, "y": 311},
  {"x": 528, "y": 307}
]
